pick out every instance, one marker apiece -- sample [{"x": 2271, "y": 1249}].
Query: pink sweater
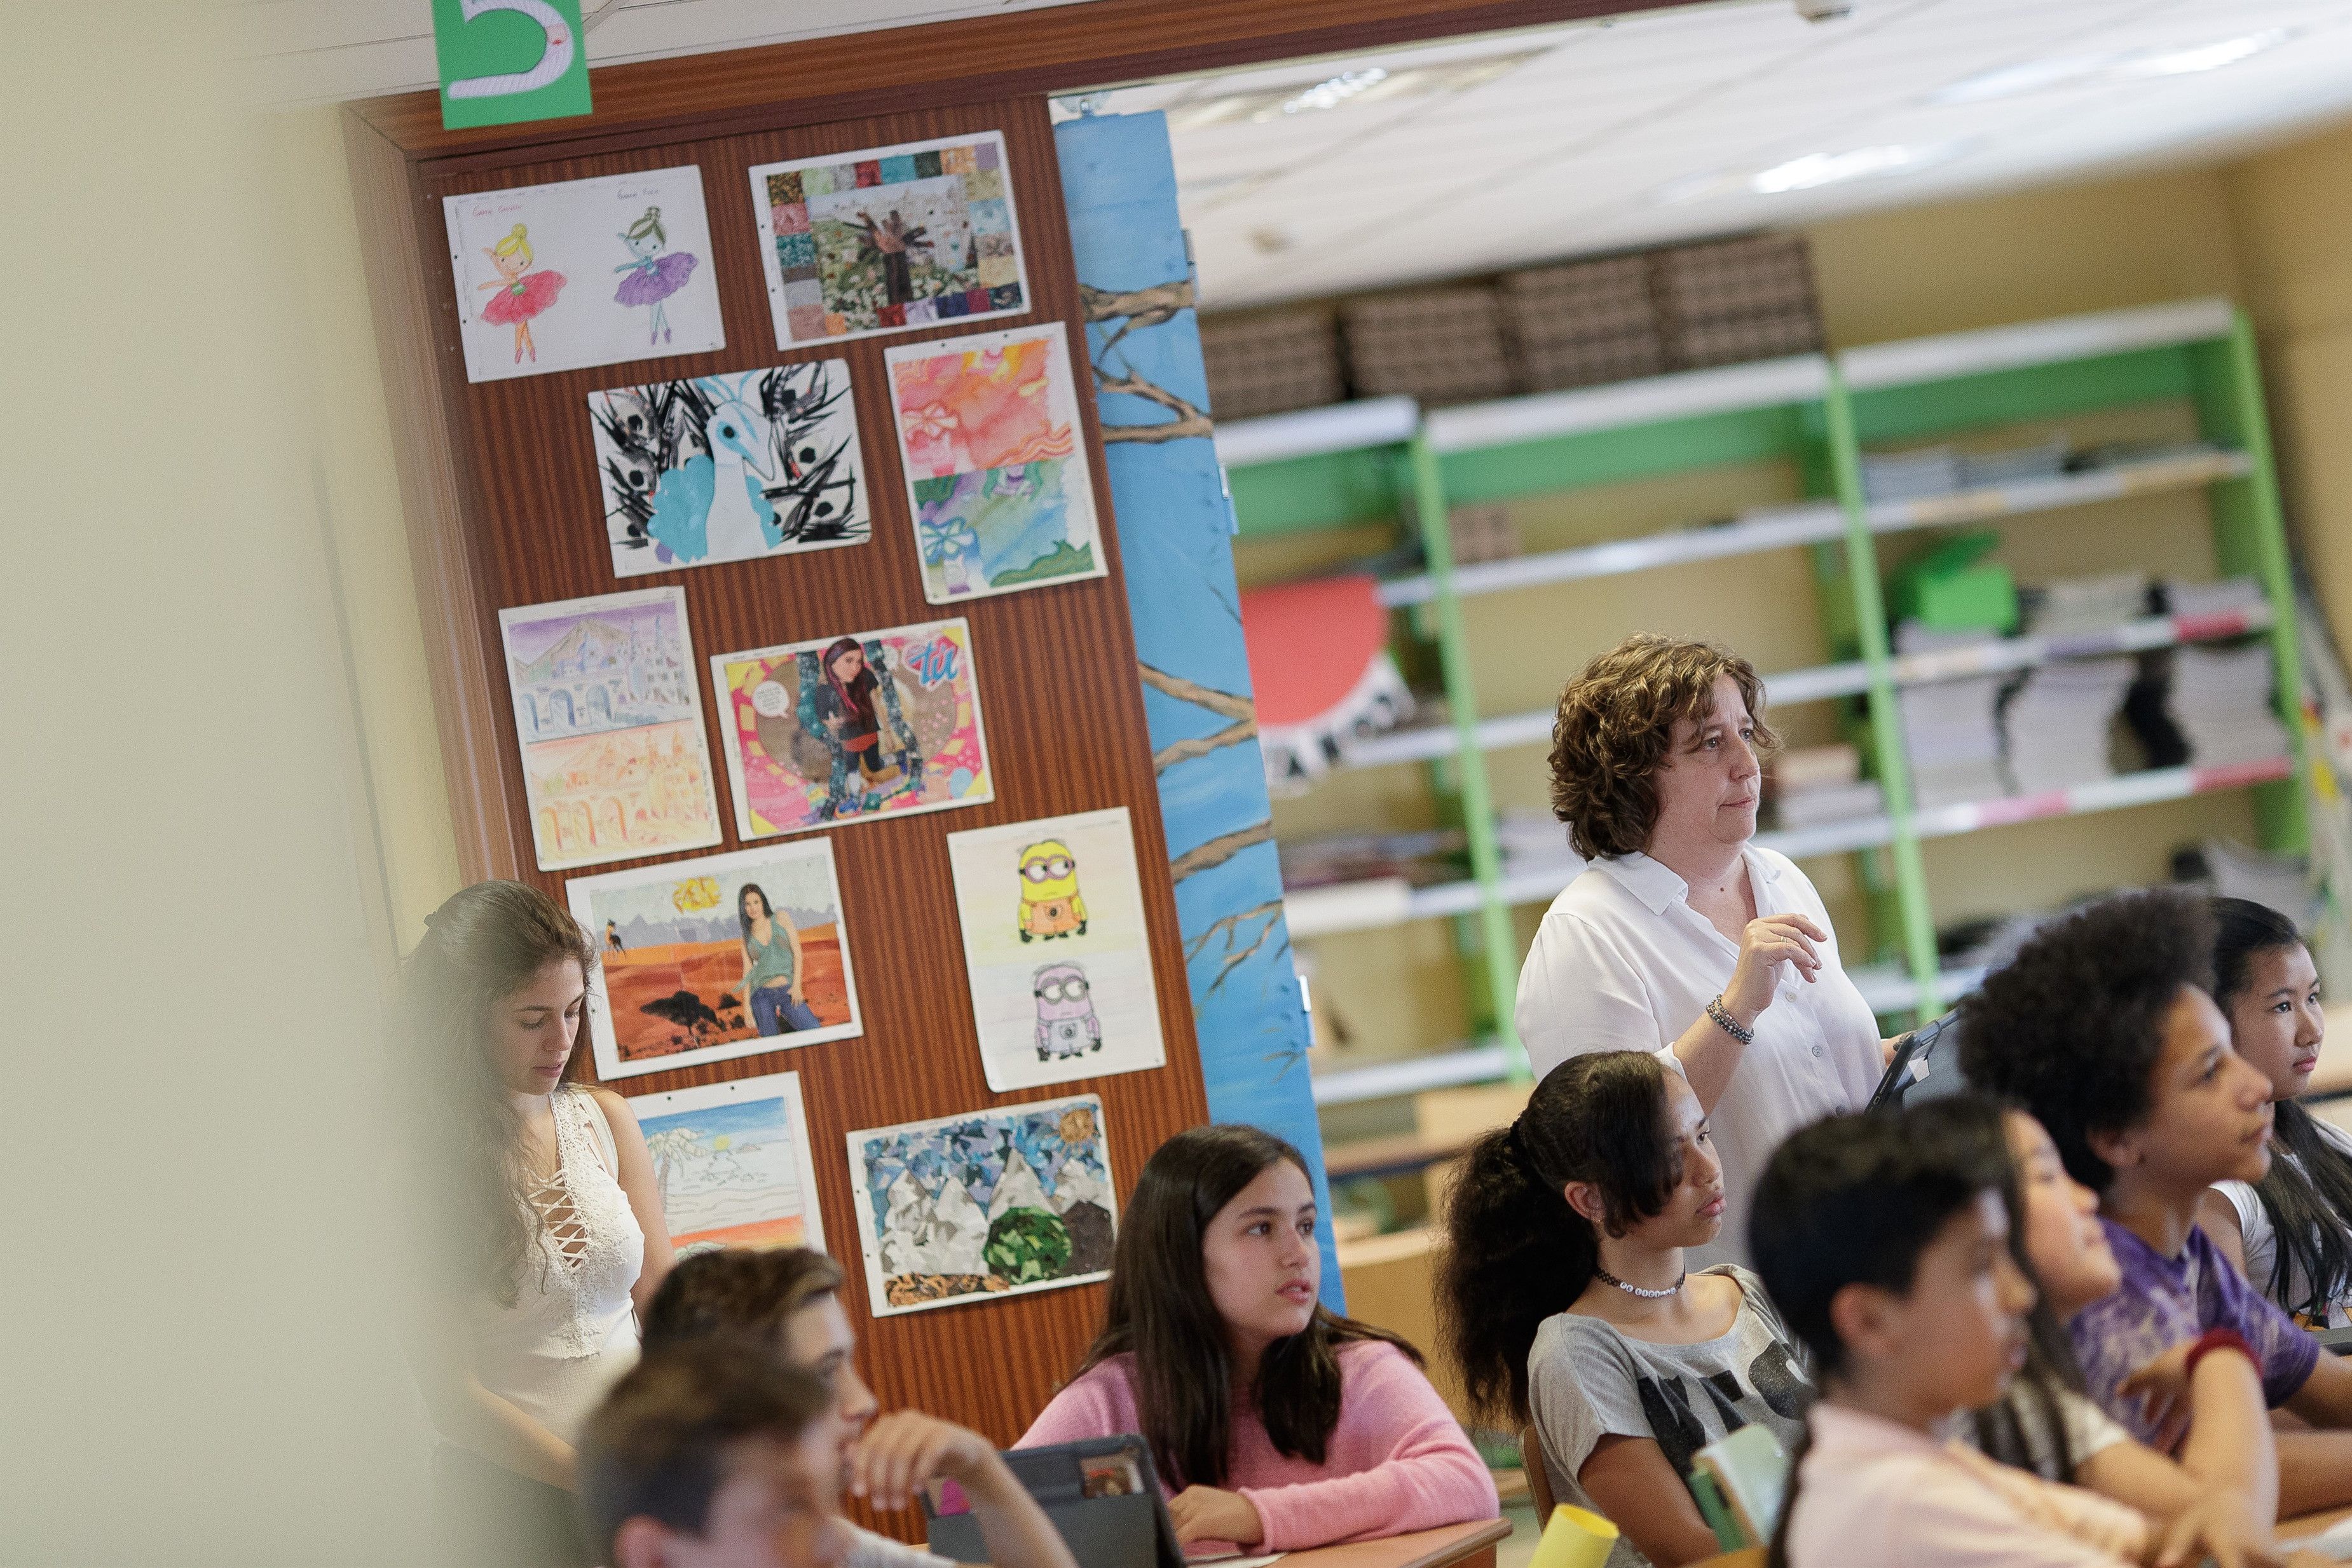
[{"x": 1396, "y": 1461}]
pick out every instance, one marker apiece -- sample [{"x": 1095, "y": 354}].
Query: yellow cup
[{"x": 1574, "y": 1538}]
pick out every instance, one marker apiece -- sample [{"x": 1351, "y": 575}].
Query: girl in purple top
[{"x": 2104, "y": 1029}]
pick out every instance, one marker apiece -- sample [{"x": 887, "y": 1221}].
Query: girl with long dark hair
[
  {"x": 1566, "y": 1302},
  {"x": 2290, "y": 1233},
  {"x": 1277, "y": 1424},
  {"x": 775, "y": 979},
  {"x": 546, "y": 1233},
  {"x": 844, "y": 703}
]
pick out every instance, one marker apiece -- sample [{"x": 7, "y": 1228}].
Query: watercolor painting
[
  {"x": 712, "y": 959},
  {"x": 995, "y": 462},
  {"x": 732, "y": 467},
  {"x": 889, "y": 238},
  {"x": 582, "y": 272},
  {"x": 1056, "y": 950},
  {"x": 995, "y": 1203},
  {"x": 609, "y": 714},
  {"x": 733, "y": 1164},
  {"x": 847, "y": 729}
]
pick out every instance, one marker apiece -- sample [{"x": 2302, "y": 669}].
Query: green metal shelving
[{"x": 1359, "y": 463}]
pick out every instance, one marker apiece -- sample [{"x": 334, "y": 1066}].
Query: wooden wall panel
[{"x": 1056, "y": 667}]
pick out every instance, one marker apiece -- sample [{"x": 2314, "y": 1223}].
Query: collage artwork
[
  {"x": 889, "y": 238},
  {"x": 732, "y": 467},
  {"x": 1055, "y": 944},
  {"x": 995, "y": 462},
  {"x": 609, "y": 712},
  {"x": 992, "y": 1203},
  {"x": 712, "y": 959},
  {"x": 584, "y": 272},
  {"x": 733, "y": 1164},
  {"x": 851, "y": 728}
]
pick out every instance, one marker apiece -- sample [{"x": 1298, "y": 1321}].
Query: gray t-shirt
[{"x": 1587, "y": 1380}]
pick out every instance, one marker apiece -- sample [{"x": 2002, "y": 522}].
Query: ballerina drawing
[
  {"x": 653, "y": 277},
  {"x": 521, "y": 292}
]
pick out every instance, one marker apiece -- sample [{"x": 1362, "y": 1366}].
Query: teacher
[{"x": 1682, "y": 936}]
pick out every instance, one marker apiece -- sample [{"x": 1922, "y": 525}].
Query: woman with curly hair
[{"x": 1682, "y": 937}]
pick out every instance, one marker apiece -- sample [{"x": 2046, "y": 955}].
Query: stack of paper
[
  {"x": 1907, "y": 476},
  {"x": 2058, "y": 723},
  {"x": 2221, "y": 702},
  {"x": 1816, "y": 784},
  {"x": 2230, "y": 596},
  {"x": 2071, "y": 606},
  {"x": 1529, "y": 839},
  {"x": 1985, "y": 470},
  {"x": 1949, "y": 729}
]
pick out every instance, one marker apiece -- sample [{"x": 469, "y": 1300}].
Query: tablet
[
  {"x": 1927, "y": 1066},
  {"x": 1101, "y": 1493}
]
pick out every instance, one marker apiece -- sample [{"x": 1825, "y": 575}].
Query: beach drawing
[
  {"x": 733, "y": 1164},
  {"x": 994, "y": 1203},
  {"x": 609, "y": 714},
  {"x": 712, "y": 959},
  {"x": 849, "y": 729},
  {"x": 995, "y": 462},
  {"x": 582, "y": 272},
  {"x": 889, "y": 238},
  {"x": 732, "y": 467},
  {"x": 1056, "y": 950}
]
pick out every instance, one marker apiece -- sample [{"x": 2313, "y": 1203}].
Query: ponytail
[{"x": 1515, "y": 1253}]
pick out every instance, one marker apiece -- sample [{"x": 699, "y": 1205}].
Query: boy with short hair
[
  {"x": 2102, "y": 1028},
  {"x": 785, "y": 1303}
]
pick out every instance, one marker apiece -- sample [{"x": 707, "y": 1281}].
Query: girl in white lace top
[{"x": 547, "y": 1235}]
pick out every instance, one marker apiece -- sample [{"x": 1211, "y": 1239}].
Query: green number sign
[{"x": 507, "y": 61}]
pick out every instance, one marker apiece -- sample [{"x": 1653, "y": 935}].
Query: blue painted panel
[{"x": 1175, "y": 537}]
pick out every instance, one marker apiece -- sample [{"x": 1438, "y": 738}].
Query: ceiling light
[
  {"x": 1817, "y": 169},
  {"x": 2205, "y": 56},
  {"x": 1367, "y": 84},
  {"x": 1333, "y": 92}
]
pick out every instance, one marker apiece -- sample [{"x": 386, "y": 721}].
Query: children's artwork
[
  {"x": 892, "y": 237},
  {"x": 729, "y": 467},
  {"x": 584, "y": 272},
  {"x": 712, "y": 959},
  {"x": 733, "y": 1164},
  {"x": 996, "y": 461},
  {"x": 1054, "y": 944},
  {"x": 849, "y": 729},
  {"x": 997, "y": 1203},
  {"x": 610, "y": 717}
]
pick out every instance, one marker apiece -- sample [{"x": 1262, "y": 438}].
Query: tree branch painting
[{"x": 1135, "y": 309}]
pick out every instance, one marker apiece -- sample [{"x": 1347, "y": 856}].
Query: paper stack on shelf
[
  {"x": 2071, "y": 606},
  {"x": 1532, "y": 839},
  {"x": 1907, "y": 476},
  {"x": 2221, "y": 702},
  {"x": 1949, "y": 728},
  {"x": 2058, "y": 723},
  {"x": 2230, "y": 596},
  {"x": 1817, "y": 784},
  {"x": 2010, "y": 466},
  {"x": 1419, "y": 858}
]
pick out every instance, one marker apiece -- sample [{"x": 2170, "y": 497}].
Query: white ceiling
[
  {"x": 1598, "y": 137},
  {"x": 1579, "y": 147}
]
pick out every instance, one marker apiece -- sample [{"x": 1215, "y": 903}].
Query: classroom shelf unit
[{"x": 1387, "y": 459}]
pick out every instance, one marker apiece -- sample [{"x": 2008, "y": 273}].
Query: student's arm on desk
[
  {"x": 2315, "y": 1472},
  {"x": 2326, "y": 1397},
  {"x": 1633, "y": 1487}
]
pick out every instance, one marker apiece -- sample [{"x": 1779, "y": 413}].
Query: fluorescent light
[
  {"x": 1817, "y": 169},
  {"x": 1333, "y": 92},
  {"x": 1366, "y": 84},
  {"x": 2205, "y": 56}
]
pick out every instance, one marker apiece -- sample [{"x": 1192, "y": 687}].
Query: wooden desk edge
[
  {"x": 2305, "y": 1524},
  {"x": 1444, "y": 1547}
]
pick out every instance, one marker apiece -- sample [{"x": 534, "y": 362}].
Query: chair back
[{"x": 1531, "y": 1459}]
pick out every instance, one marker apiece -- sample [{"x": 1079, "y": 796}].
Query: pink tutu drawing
[
  {"x": 521, "y": 292},
  {"x": 652, "y": 278}
]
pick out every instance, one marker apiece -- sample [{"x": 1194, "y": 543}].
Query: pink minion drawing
[
  {"x": 1051, "y": 904},
  {"x": 1066, "y": 1025}
]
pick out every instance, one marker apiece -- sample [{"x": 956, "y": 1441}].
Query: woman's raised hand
[{"x": 1770, "y": 944}]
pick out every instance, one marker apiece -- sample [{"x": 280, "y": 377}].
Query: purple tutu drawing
[{"x": 652, "y": 278}]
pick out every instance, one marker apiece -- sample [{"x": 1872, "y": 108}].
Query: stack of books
[
  {"x": 1950, "y": 730},
  {"x": 2230, "y": 596},
  {"x": 2220, "y": 701},
  {"x": 2073, "y": 606},
  {"x": 2058, "y": 724},
  {"x": 1817, "y": 784}
]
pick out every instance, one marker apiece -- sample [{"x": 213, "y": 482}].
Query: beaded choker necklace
[{"x": 1647, "y": 1295}]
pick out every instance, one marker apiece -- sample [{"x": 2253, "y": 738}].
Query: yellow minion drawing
[{"x": 1051, "y": 904}]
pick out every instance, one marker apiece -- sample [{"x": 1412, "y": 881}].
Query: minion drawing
[
  {"x": 1066, "y": 1025},
  {"x": 1051, "y": 904}
]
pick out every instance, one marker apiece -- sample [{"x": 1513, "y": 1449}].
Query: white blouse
[
  {"x": 2262, "y": 1237},
  {"x": 1623, "y": 962}
]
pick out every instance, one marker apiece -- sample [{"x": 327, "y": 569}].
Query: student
[
  {"x": 2046, "y": 1422},
  {"x": 1884, "y": 1241},
  {"x": 1277, "y": 1425},
  {"x": 2103, "y": 1029},
  {"x": 1566, "y": 1302},
  {"x": 787, "y": 1298},
  {"x": 2291, "y": 1233}
]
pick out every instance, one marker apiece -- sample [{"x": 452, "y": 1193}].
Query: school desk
[{"x": 1451, "y": 1546}]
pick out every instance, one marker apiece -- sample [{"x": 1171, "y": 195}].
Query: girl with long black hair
[
  {"x": 2290, "y": 1233},
  {"x": 1566, "y": 1302},
  {"x": 1277, "y": 1424}
]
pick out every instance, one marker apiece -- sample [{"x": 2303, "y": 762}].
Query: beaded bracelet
[{"x": 1714, "y": 1009}]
